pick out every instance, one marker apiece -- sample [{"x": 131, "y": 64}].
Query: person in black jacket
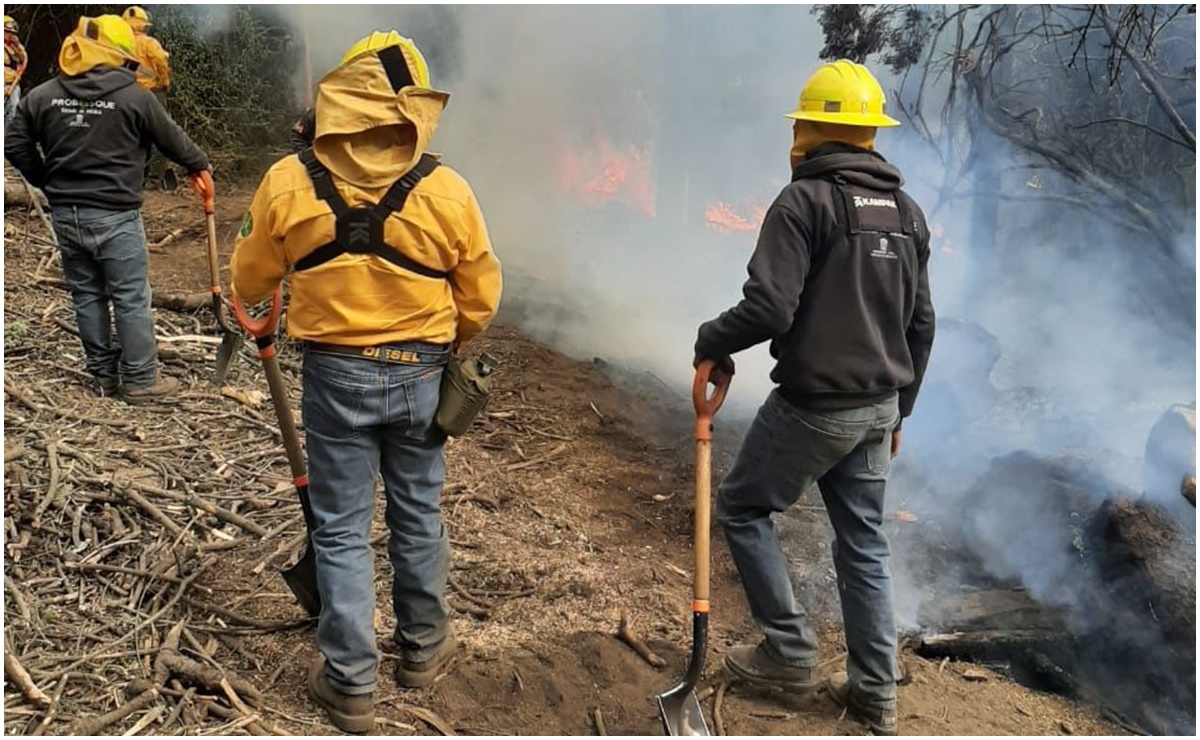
[
  {"x": 839, "y": 285},
  {"x": 94, "y": 127}
]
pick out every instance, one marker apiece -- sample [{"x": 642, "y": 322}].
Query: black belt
[{"x": 399, "y": 354}]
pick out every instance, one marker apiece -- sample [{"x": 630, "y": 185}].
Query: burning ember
[{"x": 602, "y": 173}]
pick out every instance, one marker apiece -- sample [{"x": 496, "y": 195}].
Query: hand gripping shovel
[
  {"x": 301, "y": 578},
  {"x": 203, "y": 185},
  {"x": 680, "y": 709}
]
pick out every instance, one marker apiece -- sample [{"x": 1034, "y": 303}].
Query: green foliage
[
  {"x": 232, "y": 85},
  {"x": 232, "y": 72}
]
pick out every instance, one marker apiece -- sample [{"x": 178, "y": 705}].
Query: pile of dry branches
[{"x": 113, "y": 517}]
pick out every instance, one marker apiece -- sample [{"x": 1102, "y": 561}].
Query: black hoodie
[
  {"x": 95, "y": 131},
  {"x": 839, "y": 284}
]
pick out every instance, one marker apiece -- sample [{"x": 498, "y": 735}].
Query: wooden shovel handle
[{"x": 703, "y": 525}]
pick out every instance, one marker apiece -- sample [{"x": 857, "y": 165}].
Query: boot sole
[
  {"x": 797, "y": 687},
  {"x": 143, "y": 400}
]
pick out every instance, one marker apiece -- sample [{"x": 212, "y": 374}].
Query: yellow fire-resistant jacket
[
  {"x": 15, "y": 60},
  {"x": 368, "y": 135},
  {"x": 153, "y": 70}
]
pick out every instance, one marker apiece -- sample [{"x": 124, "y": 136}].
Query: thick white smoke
[{"x": 1059, "y": 354}]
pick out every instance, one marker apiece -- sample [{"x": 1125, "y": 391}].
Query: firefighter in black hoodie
[
  {"x": 95, "y": 126},
  {"x": 838, "y": 284}
]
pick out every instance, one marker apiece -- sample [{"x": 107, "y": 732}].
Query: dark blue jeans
[
  {"x": 847, "y": 454},
  {"x": 363, "y": 418},
  {"x": 106, "y": 266}
]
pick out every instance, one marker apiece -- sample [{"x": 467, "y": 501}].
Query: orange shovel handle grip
[
  {"x": 706, "y": 405},
  {"x": 203, "y": 186},
  {"x": 264, "y": 327}
]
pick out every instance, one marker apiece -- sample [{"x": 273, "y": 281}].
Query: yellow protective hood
[
  {"x": 808, "y": 135},
  {"x": 367, "y": 133},
  {"x": 80, "y": 54}
]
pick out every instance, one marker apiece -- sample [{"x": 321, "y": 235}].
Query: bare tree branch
[{"x": 1149, "y": 79}]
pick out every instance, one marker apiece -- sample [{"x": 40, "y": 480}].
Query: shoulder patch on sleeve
[{"x": 247, "y": 226}]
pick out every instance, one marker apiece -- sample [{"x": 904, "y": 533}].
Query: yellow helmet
[
  {"x": 379, "y": 40},
  {"x": 137, "y": 17},
  {"x": 10, "y": 24},
  {"x": 110, "y": 30},
  {"x": 843, "y": 92}
]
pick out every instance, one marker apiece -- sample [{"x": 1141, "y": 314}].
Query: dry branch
[
  {"x": 599, "y": 719},
  {"x": 15, "y": 672},
  {"x": 629, "y": 637}
]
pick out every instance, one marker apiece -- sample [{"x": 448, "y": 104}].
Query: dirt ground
[{"x": 567, "y": 506}]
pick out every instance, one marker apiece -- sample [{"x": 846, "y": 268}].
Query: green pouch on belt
[{"x": 464, "y": 393}]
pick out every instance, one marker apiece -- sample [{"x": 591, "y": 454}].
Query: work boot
[
  {"x": 881, "y": 719},
  {"x": 415, "y": 675},
  {"x": 755, "y": 664},
  {"x": 108, "y": 387},
  {"x": 347, "y": 713},
  {"x": 163, "y": 387}
]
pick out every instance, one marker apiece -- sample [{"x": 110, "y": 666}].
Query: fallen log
[
  {"x": 987, "y": 645},
  {"x": 182, "y": 302}
]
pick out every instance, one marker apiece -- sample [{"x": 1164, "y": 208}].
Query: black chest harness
[{"x": 360, "y": 230}]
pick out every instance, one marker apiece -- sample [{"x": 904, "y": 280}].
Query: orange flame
[
  {"x": 722, "y": 217},
  {"x": 623, "y": 176}
]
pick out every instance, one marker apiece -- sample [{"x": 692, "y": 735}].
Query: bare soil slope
[{"x": 568, "y": 506}]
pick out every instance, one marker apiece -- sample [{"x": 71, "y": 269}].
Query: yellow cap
[
  {"x": 843, "y": 92},
  {"x": 10, "y": 24},
  {"x": 379, "y": 40}
]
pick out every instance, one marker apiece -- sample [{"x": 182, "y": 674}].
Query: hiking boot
[
  {"x": 163, "y": 387},
  {"x": 347, "y": 713},
  {"x": 415, "y": 675},
  {"x": 108, "y": 388},
  {"x": 881, "y": 719},
  {"x": 754, "y": 664}
]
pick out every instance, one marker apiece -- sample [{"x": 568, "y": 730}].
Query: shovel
[
  {"x": 680, "y": 709},
  {"x": 203, "y": 185},
  {"x": 301, "y": 578}
]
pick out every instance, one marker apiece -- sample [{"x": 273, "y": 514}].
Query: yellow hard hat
[
  {"x": 110, "y": 30},
  {"x": 843, "y": 92},
  {"x": 136, "y": 16},
  {"x": 379, "y": 40},
  {"x": 10, "y": 24}
]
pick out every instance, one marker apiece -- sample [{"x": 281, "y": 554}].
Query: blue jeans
[
  {"x": 363, "y": 418},
  {"x": 847, "y": 453},
  {"x": 10, "y": 103},
  {"x": 106, "y": 266}
]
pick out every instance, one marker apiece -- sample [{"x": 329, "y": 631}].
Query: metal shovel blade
[
  {"x": 301, "y": 578},
  {"x": 229, "y": 345},
  {"x": 681, "y": 713}
]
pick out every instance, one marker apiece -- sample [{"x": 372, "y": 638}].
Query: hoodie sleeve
[
  {"x": 170, "y": 138},
  {"x": 476, "y": 281},
  {"x": 20, "y": 146},
  {"x": 771, "y": 295},
  {"x": 258, "y": 263},
  {"x": 919, "y": 334}
]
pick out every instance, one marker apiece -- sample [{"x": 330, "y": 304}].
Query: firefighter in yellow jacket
[
  {"x": 387, "y": 250},
  {"x": 15, "y": 60},
  {"x": 154, "y": 73}
]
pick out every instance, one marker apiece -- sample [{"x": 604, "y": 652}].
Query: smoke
[{"x": 597, "y": 137}]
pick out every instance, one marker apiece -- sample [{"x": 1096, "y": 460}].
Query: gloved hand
[{"x": 202, "y": 185}]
